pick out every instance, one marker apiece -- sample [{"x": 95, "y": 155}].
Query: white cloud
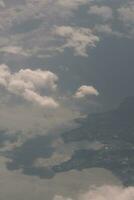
[
  {"x": 22, "y": 99},
  {"x": 44, "y": 14},
  {"x": 104, "y": 12},
  {"x": 27, "y": 83},
  {"x": 126, "y": 13},
  {"x": 86, "y": 90},
  {"x": 38, "y": 40},
  {"x": 104, "y": 193},
  {"x": 14, "y": 50},
  {"x": 79, "y": 39},
  {"x": 43, "y": 101}
]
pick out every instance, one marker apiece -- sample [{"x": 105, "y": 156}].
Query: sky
[{"x": 60, "y": 60}]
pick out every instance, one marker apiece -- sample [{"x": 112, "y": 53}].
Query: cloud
[
  {"x": 76, "y": 38},
  {"x": 64, "y": 151},
  {"x": 30, "y": 121},
  {"x": 25, "y": 109},
  {"x": 26, "y": 83},
  {"x": 106, "y": 29},
  {"x": 26, "y": 28},
  {"x": 68, "y": 4},
  {"x": 126, "y": 13},
  {"x": 14, "y": 185},
  {"x": 86, "y": 90},
  {"x": 26, "y": 100},
  {"x": 104, "y": 12},
  {"x": 56, "y": 159},
  {"x": 2, "y": 4},
  {"x": 13, "y": 50},
  {"x": 65, "y": 4},
  {"x": 43, "y": 101},
  {"x": 104, "y": 193},
  {"x": 126, "y": 17},
  {"x": 57, "y": 197}
]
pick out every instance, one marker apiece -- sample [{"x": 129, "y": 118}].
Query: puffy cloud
[
  {"x": 43, "y": 101},
  {"x": 18, "y": 115},
  {"x": 18, "y": 88},
  {"x": 79, "y": 39},
  {"x": 126, "y": 13},
  {"x": 126, "y": 16},
  {"x": 86, "y": 90},
  {"x": 34, "y": 21},
  {"x": 104, "y": 193},
  {"x": 23, "y": 32},
  {"x": 26, "y": 83},
  {"x": 104, "y": 12}
]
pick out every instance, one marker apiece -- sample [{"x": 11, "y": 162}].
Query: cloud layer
[{"x": 104, "y": 193}]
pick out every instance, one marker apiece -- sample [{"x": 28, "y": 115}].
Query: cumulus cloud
[
  {"x": 24, "y": 93},
  {"x": 104, "y": 12},
  {"x": 28, "y": 32},
  {"x": 86, "y": 90},
  {"x": 79, "y": 39},
  {"x": 30, "y": 27},
  {"x": 126, "y": 13},
  {"x": 104, "y": 193},
  {"x": 28, "y": 83}
]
